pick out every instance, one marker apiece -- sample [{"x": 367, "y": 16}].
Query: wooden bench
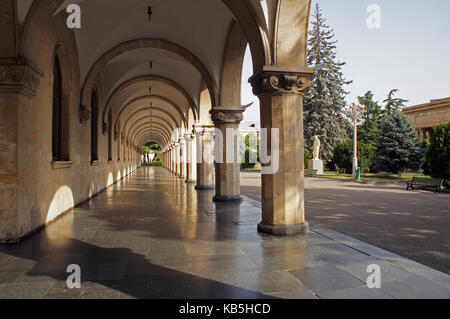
[
  {"x": 435, "y": 183},
  {"x": 311, "y": 173}
]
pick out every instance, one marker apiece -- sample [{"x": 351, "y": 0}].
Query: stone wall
[{"x": 33, "y": 192}]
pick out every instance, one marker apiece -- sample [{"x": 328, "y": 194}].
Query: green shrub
[
  {"x": 246, "y": 161},
  {"x": 438, "y": 155},
  {"x": 343, "y": 157},
  {"x": 156, "y": 163},
  {"x": 307, "y": 159}
]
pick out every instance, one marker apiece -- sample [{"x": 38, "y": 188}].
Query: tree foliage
[
  {"x": 324, "y": 102},
  {"x": 393, "y": 104},
  {"x": 249, "y": 148},
  {"x": 343, "y": 157},
  {"x": 368, "y": 131},
  {"x": 154, "y": 148},
  {"x": 399, "y": 148},
  {"x": 438, "y": 155}
]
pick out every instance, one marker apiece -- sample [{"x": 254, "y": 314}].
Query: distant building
[{"x": 426, "y": 117}]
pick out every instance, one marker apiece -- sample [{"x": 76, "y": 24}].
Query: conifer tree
[
  {"x": 324, "y": 102},
  {"x": 393, "y": 104},
  {"x": 399, "y": 148},
  {"x": 369, "y": 129}
]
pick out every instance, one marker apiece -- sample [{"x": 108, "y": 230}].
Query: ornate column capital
[
  {"x": 274, "y": 79},
  {"x": 19, "y": 77},
  {"x": 203, "y": 128},
  {"x": 227, "y": 115},
  {"x": 188, "y": 136}
]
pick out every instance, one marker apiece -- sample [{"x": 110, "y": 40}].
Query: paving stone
[
  {"x": 29, "y": 290},
  {"x": 326, "y": 278},
  {"x": 142, "y": 240}
]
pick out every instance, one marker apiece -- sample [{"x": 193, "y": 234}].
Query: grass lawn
[{"x": 371, "y": 177}]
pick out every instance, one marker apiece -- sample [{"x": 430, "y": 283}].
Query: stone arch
[
  {"x": 146, "y": 132},
  {"x": 231, "y": 77},
  {"x": 138, "y": 125},
  {"x": 290, "y": 33},
  {"x": 248, "y": 13},
  {"x": 135, "y": 124},
  {"x": 131, "y": 82},
  {"x": 149, "y": 43},
  {"x": 205, "y": 105},
  {"x": 151, "y": 137},
  {"x": 132, "y": 116},
  {"x": 251, "y": 19},
  {"x": 143, "y": 129},
  {"x": 149, "y": 97}
]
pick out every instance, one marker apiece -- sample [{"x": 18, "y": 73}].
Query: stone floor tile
[{"x": 326, "y": 278}]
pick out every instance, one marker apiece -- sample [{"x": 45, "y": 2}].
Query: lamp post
[{"x": 355, "y": 113}]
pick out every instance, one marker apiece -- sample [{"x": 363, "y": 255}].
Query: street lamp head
[{"x": 355, "y": 112}]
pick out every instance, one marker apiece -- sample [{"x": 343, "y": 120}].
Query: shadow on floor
[
  {"x": 411, "y": 224},
  {"x": 115, "y": 237}
]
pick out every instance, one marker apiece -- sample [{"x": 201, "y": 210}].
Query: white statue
[{"x": 316, "y": 148}]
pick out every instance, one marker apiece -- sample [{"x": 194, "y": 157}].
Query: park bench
[
  {"x": 311, "y": 173},
  {"x": 435, "y": 183}
]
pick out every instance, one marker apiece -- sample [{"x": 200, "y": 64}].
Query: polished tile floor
[{"x": 153, "y": 236}]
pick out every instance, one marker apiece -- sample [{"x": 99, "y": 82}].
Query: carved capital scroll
[
  {"x": 227, "y": 115},
  {"x": 19, "y": 78},
  {"x": 278, "y": 80}
]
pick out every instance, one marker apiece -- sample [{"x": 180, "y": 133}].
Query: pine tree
[
  {"x": 393, "y": 104},
  {"x": 399, "y": 148},
  {"x": 324, "y": 102},
  {"x": 368, "y": 131}
]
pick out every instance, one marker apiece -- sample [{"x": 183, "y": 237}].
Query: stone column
[
  {"x": 164, "y": 159},
  {"x": 19, "y": 83},
  {"x": 177, "y": 159},
  {"x": 227, "y": 162},
  {"x": 181, "y": 160},
  {"x": 189, "y": 137},
  {"x": 205, "y": 166},
  {"x": 172, "y": 159},
  {"x": 281, "y": 95}
]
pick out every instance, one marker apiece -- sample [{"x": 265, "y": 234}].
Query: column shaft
[
  {"x": 188, "y": 137},
  {"x": 281, "y": 99},
  {"x": 205, "y": 166},
  {"x": 227, "y": 162}
]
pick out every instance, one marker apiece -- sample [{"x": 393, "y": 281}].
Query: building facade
[{"x": 426, "y": 117}]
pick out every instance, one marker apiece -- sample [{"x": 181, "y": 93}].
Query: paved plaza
[
  {"x": 413, "y": 224},
  {"x": 153, "y": 236}
]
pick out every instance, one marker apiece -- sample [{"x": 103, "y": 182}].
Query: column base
[
  {"x": 190, "y": 182},
  {"x": 204, "y": 187},
  {"x": 284, "y": 229},
  {"x": 227, "y": 198}
]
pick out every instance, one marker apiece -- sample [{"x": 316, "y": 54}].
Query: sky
[{"x": 410, "y": 51}]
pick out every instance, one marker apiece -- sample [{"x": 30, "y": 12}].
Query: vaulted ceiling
[{"x": 184, "y": 41}]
